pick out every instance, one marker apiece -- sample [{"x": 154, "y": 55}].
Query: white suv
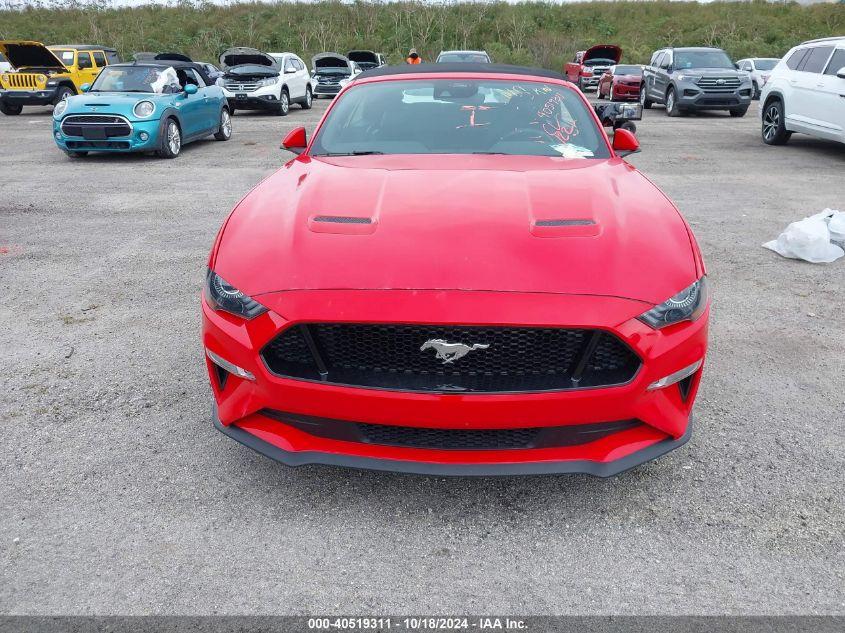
[
  {"x": 806, "y": 93},
  {"x": 254, "y": 80}
]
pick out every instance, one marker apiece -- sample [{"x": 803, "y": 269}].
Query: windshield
[
  {"x": 464, "y": 116},
  {"x": 628, "y": 70},
  {"x": 65, "y": 56},
  {"x": 765, "y": 64},
  {"x": 477, "y": 58},
  {"x": 702, "y": 59},
  {"x": 155, "y": 79}
]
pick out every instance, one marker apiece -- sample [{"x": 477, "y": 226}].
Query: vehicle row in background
[
  {"x": 759, "y": 68},
  {"x": 39, "y": 75}
]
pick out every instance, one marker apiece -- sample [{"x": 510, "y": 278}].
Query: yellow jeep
[{"x": 44, "y": 76}]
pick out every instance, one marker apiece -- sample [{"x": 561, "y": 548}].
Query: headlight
[
  {"x": 693, "y": 78},
  {"x": 269, "y": 81},
  {"x": 687, "y": 305},
  {"x": 223, "y": 296},
  {"x": 143, "y": 109},
  {"x": 59, "y": 108},
  {"x": 41, "y": 78}
]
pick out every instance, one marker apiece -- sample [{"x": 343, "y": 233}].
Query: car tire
[
  {"x": 599, "y": 95},
  {"x": 63, "y": 93},
  {"x": 9, "y": 109},
  {"x": 610, "y": 95},
  {"x": 284, "y": 103},
  {"x": 645, "y": 102},
  {"x": 672, "y": 108},
  {"x": 738, "y": 112},
  {"x": 773, "y": 131},
  {"x": 171, "y": 142},
  {"x": 309, "y": 99},
  {"x": 224, "y": 129}
]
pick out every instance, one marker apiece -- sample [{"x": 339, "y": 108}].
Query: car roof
[
  {"x": 463, "y": 51},
  {"x": 460, "y": 68},
  {"x": 84, "y": 47},
  {"x": 833, "y": 40},
  {"x": 693, "y": 48}
]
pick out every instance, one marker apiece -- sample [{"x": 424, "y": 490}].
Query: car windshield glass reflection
[
  {"x": 627, "y": 70},
  {"x": 766, "y": 64},
  {"x": 702, "y": 59},
  {"x": 466, "y": 116},
  {"x": 154, "y": 79}
]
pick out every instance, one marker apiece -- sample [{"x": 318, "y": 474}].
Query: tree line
[{"x": 530, "y": 33}]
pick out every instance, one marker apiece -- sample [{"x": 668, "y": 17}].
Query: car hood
[
  {"x": 330, "y": 60},
  {"x": 24, "y": 54},
  {"x": 603, "y": 51},
  {"x": 112, "y": 102},
  {"x": 363, "y": 57},
  {"x": 627, "y": 77},
  {"x": 711, "y": 72},
  {"x": 547, "y": 225},
  {"x": 242, "y": 55}
]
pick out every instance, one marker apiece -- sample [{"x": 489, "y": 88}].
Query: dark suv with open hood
[
  {"x": 367, "y": 60},
  {"x": 687, "y": 79}
]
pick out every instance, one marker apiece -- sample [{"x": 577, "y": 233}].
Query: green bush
[{"x": 537, "y": 33}]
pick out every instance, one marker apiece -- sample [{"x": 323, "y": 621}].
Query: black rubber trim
[
  {"x": 460, "y": 67},
  {"x": 597, "y": 469}
]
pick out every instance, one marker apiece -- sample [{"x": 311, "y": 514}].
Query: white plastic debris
[{"x": 818, "y": 239}]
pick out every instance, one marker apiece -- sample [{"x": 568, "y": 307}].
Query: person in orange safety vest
[{"x": 413, "y": 57}]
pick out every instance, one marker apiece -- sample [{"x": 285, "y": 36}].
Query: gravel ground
[{"x": 118, "y": 496}]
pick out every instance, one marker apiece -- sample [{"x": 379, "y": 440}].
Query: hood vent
[
  {"x": 342, "y": 219},
  {"x": 564, "y": 222}
]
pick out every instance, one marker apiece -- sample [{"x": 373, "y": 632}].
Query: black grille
[
  {"x": 495, "y": 359},
  {"x": 451, "y": 439},
  {"x": 96, "y": 126}
]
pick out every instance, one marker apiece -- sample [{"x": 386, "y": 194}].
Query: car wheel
[
  {"x": 63, "y": 93},
  {"x": 773, "y": 130},
  {"x": 9, "y": 109},
  {"x": 171, "y": 144},
  {"x": 739, "y": 112},
  {"x": 599, "y": 95},
  {"x": 611, "y": 96},
  {"x": 755, "y": 93},
  {"x": 309, "y": 99},
  {"x": 644, "y": 100},
  {"x": 224, "y": 130},
  {"x": 284, "y": 103},
  {"x": 672, "y": 108}
]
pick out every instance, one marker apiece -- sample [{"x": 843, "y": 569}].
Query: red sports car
[
  {"x": 457, "y": 275},
  {"x": 621, "y": 83}
]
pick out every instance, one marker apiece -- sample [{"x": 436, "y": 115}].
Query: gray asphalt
[{"x": 118, "y": 497}]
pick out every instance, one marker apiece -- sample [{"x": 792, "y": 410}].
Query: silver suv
[{"x": 687, "y": 79}]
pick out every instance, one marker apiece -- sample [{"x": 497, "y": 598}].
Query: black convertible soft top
[{"x": 488, "y": 69}]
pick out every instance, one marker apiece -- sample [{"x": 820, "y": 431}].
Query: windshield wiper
[{"x": 356, "y": 153}]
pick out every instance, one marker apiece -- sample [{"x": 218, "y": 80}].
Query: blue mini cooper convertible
[{"x": 143, "y": 107}]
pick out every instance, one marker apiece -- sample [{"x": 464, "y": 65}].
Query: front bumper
[
  {"x": 691, "y": 97},
  {"x": 623, "y": 92},
  {"x": 249, "y": 410},
  {"x": 131, "y": 143},
  {"x": 249, "y": 101},
  {"x": 321, "y": 90},
  {"x": 47, "y": 96}
]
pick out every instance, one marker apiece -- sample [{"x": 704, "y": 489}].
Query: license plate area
[{"x": 93, "y": 133}]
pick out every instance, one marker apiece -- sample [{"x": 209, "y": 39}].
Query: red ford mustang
[{"x": 457, "y": 275}]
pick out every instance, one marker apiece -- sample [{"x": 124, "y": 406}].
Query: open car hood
[
  {"x": 26, "y": 54},
  {"x": 603, "y": 51},
  {"x": 330, "y": 60},
  {"x": 241, "y": 56},
  {"x": 369, "y": 59}
]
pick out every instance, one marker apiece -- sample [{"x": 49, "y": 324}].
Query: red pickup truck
[{"x": 588, "y": 66}]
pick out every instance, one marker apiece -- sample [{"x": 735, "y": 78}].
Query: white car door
[
  {"x": 829, "y": 108},
  {"x": 302, "y": 75},
  {"x": 804, "y": 110},
  {"x": 293, "y": 79}
]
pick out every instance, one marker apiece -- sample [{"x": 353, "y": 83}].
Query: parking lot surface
[{"x": 118, "y": 496}]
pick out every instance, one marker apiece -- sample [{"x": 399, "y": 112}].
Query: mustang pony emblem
[{"x": 449, "y": 352}]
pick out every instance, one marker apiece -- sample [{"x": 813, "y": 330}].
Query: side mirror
[
  {"x": 841, "y": 73},
  {"x": 191, "y": 89},
  {"x": 295, "y": 141},
  {"x": 624, "y": 142},
  {"x": 736, "y": 66},
  {"x": 87, "y": 87}
]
